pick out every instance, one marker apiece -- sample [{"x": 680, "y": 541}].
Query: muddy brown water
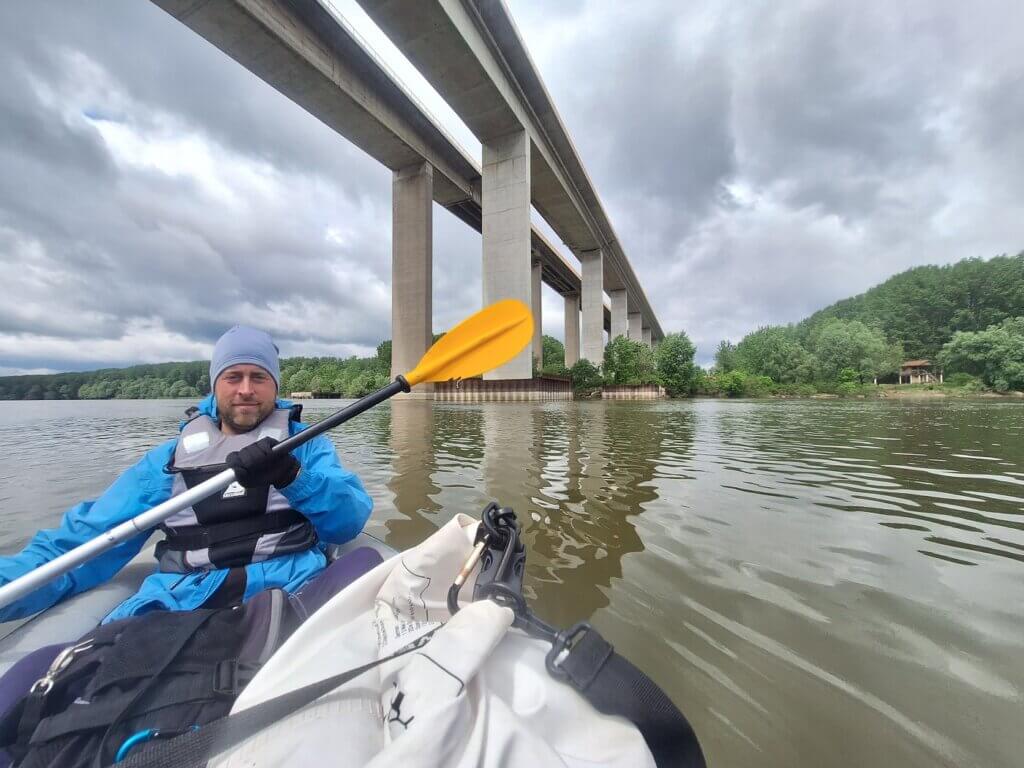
[{"x": 815, "y": 583}]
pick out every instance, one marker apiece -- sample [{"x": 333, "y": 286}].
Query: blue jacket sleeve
[
  {"x": 331, "y": 497},
  {"x": 140, "y": 487}
]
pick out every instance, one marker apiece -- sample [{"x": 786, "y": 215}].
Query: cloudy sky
[{"x": 759, "y": 160}]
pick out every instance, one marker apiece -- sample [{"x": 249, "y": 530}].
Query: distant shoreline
[{"x": 884, "y": 395}]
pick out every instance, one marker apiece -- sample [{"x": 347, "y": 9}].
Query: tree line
[
  {"x": 966, "y": 317},
  {"x": 159, "y": 380},
  {"x": 352, "y": 377},
  {"x": 628, "y": 363}
]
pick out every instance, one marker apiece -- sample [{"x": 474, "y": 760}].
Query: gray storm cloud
[
  {"x": 771, "y": 158},
  {"x": 758, "y": 161}
]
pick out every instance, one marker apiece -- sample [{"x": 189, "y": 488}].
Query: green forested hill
[
  {"x": 966, "y": 317},
  {"x": 923, "y": 307},
  {"x": 136, "y": 382}
]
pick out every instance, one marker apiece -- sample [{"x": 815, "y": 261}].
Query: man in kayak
[{"x": 265, "y": 530}]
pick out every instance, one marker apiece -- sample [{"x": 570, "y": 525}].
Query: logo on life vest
[
  {"x": 195, "y": 442},
  {"x": 232, "y": 491}
]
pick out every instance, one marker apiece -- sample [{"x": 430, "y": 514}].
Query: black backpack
[{"x": 148, "y": 677}]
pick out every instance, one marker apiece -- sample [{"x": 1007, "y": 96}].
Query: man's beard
[{"x": 245, "y": 421}]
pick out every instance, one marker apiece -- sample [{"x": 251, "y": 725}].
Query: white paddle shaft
[{"x": 46, "y": 572}]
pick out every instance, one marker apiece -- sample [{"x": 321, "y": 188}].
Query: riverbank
[
  {"x": 740, "y": 385},
  {"x": 878, "y": 392},
  {"x": 914, "y": 391}
]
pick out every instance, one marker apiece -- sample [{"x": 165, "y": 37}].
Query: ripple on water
[{"x": 799, "y": 575}]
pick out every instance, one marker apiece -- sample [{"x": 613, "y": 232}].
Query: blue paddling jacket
[{"x": 326, "y": 494}]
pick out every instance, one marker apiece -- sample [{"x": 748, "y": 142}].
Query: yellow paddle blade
[{"x": 480, "y": 343}]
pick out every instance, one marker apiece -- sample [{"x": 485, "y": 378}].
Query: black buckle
[
  {"x": 502, "y": 557},
  {"x": 231, "y": 676},
  {"x": 564, "y": 641},
  {"x": 503, "y": 564}
]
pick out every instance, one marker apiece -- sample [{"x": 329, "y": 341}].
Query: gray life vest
[{"x": 239, "y": 525}]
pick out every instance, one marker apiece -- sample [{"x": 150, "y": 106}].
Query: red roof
[{"x": 916, "y": 364}]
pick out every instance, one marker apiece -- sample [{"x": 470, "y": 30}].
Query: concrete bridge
[{"x": 471, "y": 53}]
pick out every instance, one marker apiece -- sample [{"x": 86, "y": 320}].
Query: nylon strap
[
  {"x": 615, "y": 687},
  {"x": 188, "y": 537}
]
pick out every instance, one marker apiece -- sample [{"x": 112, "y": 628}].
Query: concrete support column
[
  {"x": 636, "y": 323},
  {"x": 620, "y": 317},
  {"x": 647, "y": 337},
  {"x": 572, "y": 329},
  {"x": 592, "y": 333},
  {"x": 505, "y": 193},
  {"x": 412, "y": 234},
  {"x": 535, "y": 289}
]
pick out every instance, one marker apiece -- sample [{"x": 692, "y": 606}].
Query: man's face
[{"x": 245, "y": 396}]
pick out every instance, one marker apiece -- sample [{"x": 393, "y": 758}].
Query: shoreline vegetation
[
  {"x": 966, "y": 317},
  {"x": 883, "y": 392},
  {"x": 351, "y": 377}
]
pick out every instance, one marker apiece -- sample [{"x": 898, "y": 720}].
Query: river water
[{"x": 815, "y": 583}]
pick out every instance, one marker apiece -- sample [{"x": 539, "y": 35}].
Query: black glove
[{"x": 257, "y": 465}]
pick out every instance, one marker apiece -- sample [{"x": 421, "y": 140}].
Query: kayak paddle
[{"x": 480, "y": 343}]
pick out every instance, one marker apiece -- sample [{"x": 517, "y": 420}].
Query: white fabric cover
[{"x": 476, "y": 695}]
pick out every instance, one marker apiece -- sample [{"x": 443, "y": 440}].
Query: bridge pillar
[
  {"x": 535, "y": 292},
  {"x": 647, "y": 337},
  {"x": 592, "y": 334},
  {"x": 412, "y": 233},
  {"x": 620, "y": 309},
  {"x": 636, "y": 323},
  {"x": 572, "y": 329},
  {"x": 505, "y": 199}
]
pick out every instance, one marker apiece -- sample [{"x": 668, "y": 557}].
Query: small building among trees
[{"x": 919, "y": 372}]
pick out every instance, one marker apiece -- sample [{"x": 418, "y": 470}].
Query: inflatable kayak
[
  {"x": 427, "y": 657},
  {"x": 74, "y": 617}
]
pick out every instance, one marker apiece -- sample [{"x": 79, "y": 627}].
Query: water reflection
[
  {"x": 413, "y": 462},
  {"x": 577, "y": 476}
]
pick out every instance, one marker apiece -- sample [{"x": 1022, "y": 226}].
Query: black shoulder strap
[
  {"x": 295, "y": 412},
  {"x": 615, "y": 687},
  {"x": 194, "y": 749}
]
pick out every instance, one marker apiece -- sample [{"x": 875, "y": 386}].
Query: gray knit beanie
[{"x": 243, "y": 344}]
